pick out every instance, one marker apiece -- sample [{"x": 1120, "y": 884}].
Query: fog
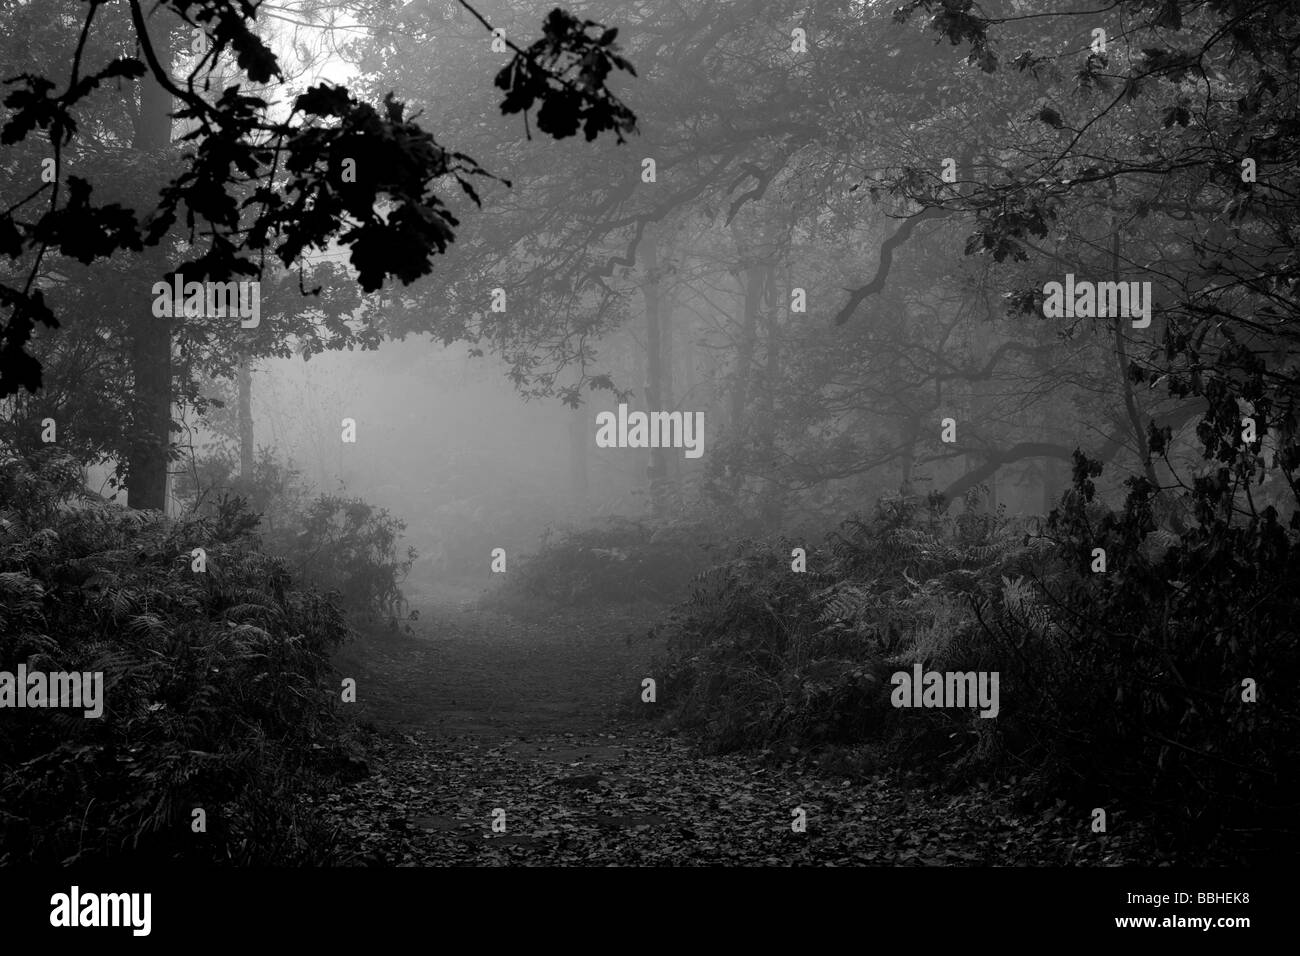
[{"x": 706, "y": 432}]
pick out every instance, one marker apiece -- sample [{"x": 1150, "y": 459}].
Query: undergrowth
[
  {"x": 620, "y": 561},
  {"x": 217, "y": 691},
  {"x": 1120, "y": 689}
]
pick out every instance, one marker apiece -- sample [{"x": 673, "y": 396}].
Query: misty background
[{"x": 359, "y": 577}]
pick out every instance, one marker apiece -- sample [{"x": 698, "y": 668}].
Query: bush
[
  {"x": 620, "y": 561},
  {"x": 1120, "y": 689},
  {"x": 761, "y": 656},
  {"x": 217, "y": 688},
  {"x": 331, "y": 542},
  {"x": 347, "y": 546},
  {"x": 1130, "y": 693},
  {"x": 275, "y": 492}
]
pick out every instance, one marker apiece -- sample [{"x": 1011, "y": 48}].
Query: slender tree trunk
[
  {"x": 150, "y": 337},
  {"x": 690, "y": 373},
  {"x": 148, "y": 454},
  {"x": 1053, "y": 474},
  {"x": 668, "y": 390},
  {"x": 1136, "y": 420},
  {"x": 694, "y": 397},
  {"x": 773, "y": 503},
  {"x": 910, "y": 432},
  {"x": 633, "y": 466},
  {"x": 753, "y": 291},
  {"x": 578, "y": 458},
  {"x": 245, "y": 377},
  {"x": 658, "y": 470},
  {"x": 1050, "y": 472}
]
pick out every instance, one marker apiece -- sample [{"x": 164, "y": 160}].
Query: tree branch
[{"x": 901, "y": 235}]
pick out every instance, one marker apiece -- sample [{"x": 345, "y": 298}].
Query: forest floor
[{"x": 477, "y": 710}]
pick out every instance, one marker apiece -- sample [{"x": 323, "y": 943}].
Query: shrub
[
  {"x": 217, "y": 688},
  {"x": 1130, "y": 692},
  {"x": 1120, "y": 689},
  {"x": 761, "y": 656},
  {"x": 619, "y": 561},
  {"x": 275, "y": 492},
  {"x": 347, "y": 546},
  {"x": 332, "y": 542}
]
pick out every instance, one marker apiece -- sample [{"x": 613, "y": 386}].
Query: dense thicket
[
  {"x": 1126, "y": 690},
  {"x": 218, "y": 694}
]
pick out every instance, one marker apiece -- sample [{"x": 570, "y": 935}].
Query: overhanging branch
[{"x": 901, "y": 235}]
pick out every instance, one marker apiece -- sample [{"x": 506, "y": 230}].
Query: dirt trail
[
  {"x": 476, "y": 712},
  {"x": 469, "y": 671}
]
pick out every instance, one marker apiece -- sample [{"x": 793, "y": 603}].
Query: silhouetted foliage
[{"x": 334, "y": 169}]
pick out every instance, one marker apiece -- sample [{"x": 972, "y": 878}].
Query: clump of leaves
[{"x": 254, "y": 183}]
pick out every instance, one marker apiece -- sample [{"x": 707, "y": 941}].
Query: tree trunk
[
  {"x": 1137, "y": 422},
  {"x": 772, "y": 508},
  {"x": 150, "y": 337},
  {"x": 690, "y": 373},
  {"x": 910, "y": 433},
  {"x": 753, "y": 290},
  {"x": 578, "y": 459},
  {"x": 658, "y": 470},
  {"x": 245, "y": 377},
  {"x": 1053, "y": 477},
  {"x": 668, "y": 389}
]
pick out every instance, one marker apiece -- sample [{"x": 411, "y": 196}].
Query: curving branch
[
  {"x": 979, "y": 374},
  {"x": 1025, "y": 449},
  {"x": 901, "y": 235},
  {"x": 754, "y": 194},
  {"x": 1108, "y": 450},
  {"x": 640, "y": 221}
]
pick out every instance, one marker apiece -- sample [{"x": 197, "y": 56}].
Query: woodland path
[{"x": 477, "y": 709}]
